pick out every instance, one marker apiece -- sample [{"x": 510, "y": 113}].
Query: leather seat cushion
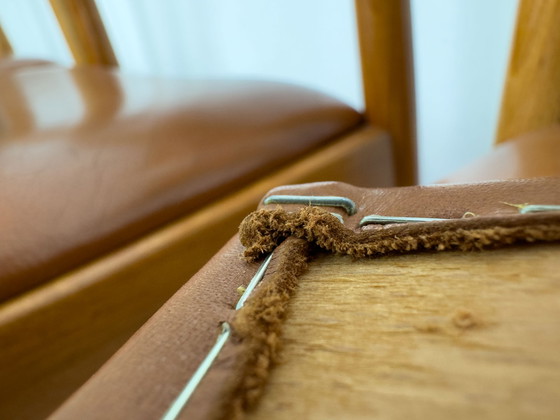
[
  {"x": 91, "y": 159},
  {"x": 530, "y": 155}
]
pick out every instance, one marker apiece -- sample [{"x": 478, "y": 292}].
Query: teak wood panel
[
  {"x": 388, "y": 77},
  {"x": 84, "y": 31},
  {"x": 428, "y": 336},
  {"x": 531, "y": 96}
]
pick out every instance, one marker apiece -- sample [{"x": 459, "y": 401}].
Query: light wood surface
[
  {"x": 79, "y": 320},
  {"x": 531, "y": 96},
  {"x": 432, "y": 336},
  {"x": 84, "y": 31},
  {"x": 387, "y": 70},
  {"x": 5, "y": 46}
]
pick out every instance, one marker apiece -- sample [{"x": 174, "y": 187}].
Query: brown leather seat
[
  {"x": 91, "y": 159},
  {"x": 535, "y": 154}
]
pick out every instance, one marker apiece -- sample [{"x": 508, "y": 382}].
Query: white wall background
[
  {"x": 461, "y": 54},
  {"x": 461, "y": 50},
  {"x": 30, "y": 26}
]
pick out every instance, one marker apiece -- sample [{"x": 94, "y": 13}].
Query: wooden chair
[
  {"x": 83, "y": 268},
  {"x": 433, "y": 335}
]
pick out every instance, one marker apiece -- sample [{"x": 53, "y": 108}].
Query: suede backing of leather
[
  {"x": 145, "y": 376},
  {"x": 259, "y": 325}
]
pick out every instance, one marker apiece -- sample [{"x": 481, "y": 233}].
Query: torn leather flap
[
  {"x": 144, "y": 379},
  {"x": 446, "y": 217}
]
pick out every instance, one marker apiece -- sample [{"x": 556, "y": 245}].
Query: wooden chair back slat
[
  {"x": 388, "y": 77},
  {"x": 531, "y": 97},
  {"x": 84, "y": 31},
  {"x": 5, "y": 46}
]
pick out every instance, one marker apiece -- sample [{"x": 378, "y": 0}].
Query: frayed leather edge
[
  {"x": 258, "y": 325},
  {"x": 263, "y": 230}
]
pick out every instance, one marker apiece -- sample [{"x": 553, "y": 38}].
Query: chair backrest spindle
[
  {"x": 531, "y": 97},
  {"x": 388, "y": 75},
  {"x": 84, "y": 31},
  {"x": 5, "y": 46}
]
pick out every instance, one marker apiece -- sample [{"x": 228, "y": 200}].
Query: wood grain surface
[{"x": 427, "y": 336}]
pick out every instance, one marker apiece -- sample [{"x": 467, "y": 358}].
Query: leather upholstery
[
  {"x": 145, "y": 376},
  {"x": 91, "y": 159}
]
